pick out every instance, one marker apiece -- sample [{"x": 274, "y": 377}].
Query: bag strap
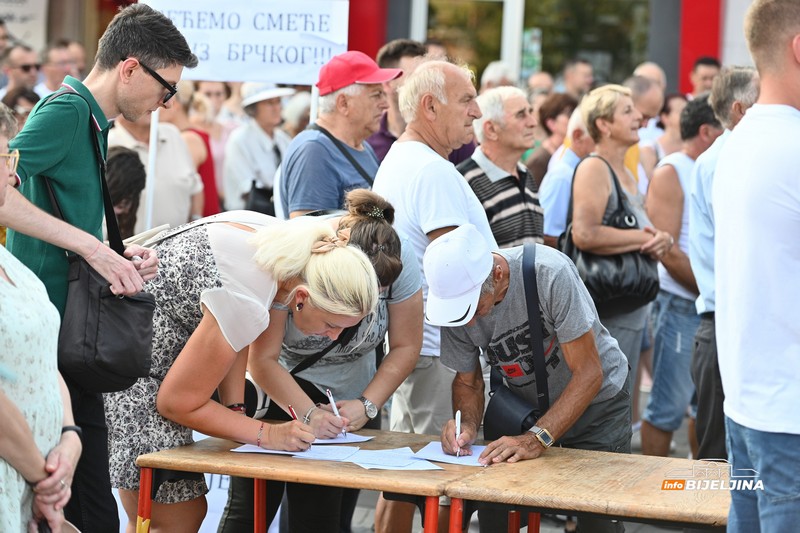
[
  {"x": 614, "y": 178},
  {"x": 535, "y": 329},
  {"x": 114, "y": 237},
  {"x": 345, "y": 152},
  {"x": 344, "y": 337}
]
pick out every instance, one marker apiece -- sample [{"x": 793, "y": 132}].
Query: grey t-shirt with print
[
  {"x": 566, "y": 311},
  {"x": 347, "y": 370}
]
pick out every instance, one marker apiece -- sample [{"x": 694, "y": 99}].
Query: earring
[{"x": 299, "y": 307}]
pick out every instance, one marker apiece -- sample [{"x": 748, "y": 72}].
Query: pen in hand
[
  {"x": 291, "y": 412},
  {"x": 458, "y": 432},
  {"x": 335, "y": 409}
]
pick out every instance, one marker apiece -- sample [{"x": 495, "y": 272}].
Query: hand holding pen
[{"x": 335, "y": 409}]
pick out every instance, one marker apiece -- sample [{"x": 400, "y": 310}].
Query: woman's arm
[
  {"x": 62, "y": 460},
  {"x": 17, "y": 446},
  {"x": 279, "y": 384},
  {"x": 590, "y": 192},
  {"x": 405, "y": 343},
  {"x": 184, "y": 397}
]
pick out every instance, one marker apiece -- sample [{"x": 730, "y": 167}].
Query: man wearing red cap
[{"x": 331, "y": 158}]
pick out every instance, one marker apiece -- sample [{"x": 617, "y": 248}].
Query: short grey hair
[
  {"x": 488, "y": 283},
  {"x": 733, "y": 84},
  {"x": 492, "y": 106},
  {"x": 327, "y": 103},
  {"x": 8, "y": 123},
  {"x": 427, "y": 78},
  {"x": 576, "y": 123},
  {"x": 496, "y": 72}
]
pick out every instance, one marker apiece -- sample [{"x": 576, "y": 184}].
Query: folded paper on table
[
  {"x": 321, "y": 453},
  {"x": 344, "y": 439}
]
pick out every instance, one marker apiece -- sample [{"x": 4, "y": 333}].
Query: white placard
[
  {"x": 26, "y": 21},
  {"x": 268, "y": 40}
]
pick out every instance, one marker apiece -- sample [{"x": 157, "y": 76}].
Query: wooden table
[
  {"x": 213, "y": 456},
  {"x": 614, "y": 485}
]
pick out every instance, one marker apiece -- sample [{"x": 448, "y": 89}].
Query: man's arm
[
  {"x": 20, "y": 215},
  {"x": 468, "y": 397},
  {"x": 665, "y": 209},
  {"x": 587, "y": 376}
]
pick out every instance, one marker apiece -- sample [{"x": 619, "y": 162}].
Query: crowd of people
[{"x": 380, "y": 253}]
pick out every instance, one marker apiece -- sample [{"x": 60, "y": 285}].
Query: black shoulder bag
[
  {"x": 105, "y": 340},
  {"x": 617, "y": 283},
  {"x": 507, "y": 413}
]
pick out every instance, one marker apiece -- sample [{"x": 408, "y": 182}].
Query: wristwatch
[
  {"x": 543, "y": 436},
  {"x": 369, "y": 407}
]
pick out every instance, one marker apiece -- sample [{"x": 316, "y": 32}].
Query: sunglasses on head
[{"x": 172, "y": 90}]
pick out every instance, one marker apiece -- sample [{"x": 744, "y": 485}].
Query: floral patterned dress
[{"x": 28, "y": 376}]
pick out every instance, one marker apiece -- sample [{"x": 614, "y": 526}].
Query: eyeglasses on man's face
[
  {"x": 10, "y": 160},
  {"x": 172, "y": 90}
]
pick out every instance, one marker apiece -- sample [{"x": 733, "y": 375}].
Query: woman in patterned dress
[{"x": 217, "y": 282}]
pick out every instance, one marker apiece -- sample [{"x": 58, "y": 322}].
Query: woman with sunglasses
[
  {"x": 217, "y": 282},
  {"x": 348, "y": 370}
]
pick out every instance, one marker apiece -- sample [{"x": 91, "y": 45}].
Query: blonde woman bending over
[{"x": 216, "y": 285}]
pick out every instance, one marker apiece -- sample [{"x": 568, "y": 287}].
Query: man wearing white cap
[
  {"x": 255, "y": 150},
  {"x": 430, "y": 198},
  {"x": 331, "y": 158},
  {"x": 478, "y": 297}
]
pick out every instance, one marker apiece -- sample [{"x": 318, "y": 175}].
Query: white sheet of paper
[
  {"x": 252, "y": 448},
  {"x": 379, "y": 458},
  {"x": 433, "y": 452},
  {"x": 341, "y": 439},
  {"x": 327, "y": 453}
]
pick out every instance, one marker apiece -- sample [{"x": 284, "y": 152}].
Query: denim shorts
[{"x": 675, "y": 322}]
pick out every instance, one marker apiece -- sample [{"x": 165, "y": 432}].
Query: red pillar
[
  {"x": 367, "y": 30},
  {"x": 701, "y": 30}
]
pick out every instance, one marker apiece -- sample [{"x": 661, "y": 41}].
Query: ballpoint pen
[
  {"x": 458, "y": 432},
  {"x": 291, "y": 412},
  {"x": 335, "y": 409}
]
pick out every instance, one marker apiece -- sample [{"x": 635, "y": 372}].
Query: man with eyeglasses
[
  {"x": 21, "y": 66},
  {"x": 140, "y": 58}
]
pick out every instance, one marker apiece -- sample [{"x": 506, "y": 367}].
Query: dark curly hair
[{"x": 126, "y": 178}]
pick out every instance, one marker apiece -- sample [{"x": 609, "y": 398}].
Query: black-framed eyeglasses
[{"x": 172, "y": 90}]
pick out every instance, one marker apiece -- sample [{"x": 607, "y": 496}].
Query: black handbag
[
  {"x": 507, "y": 413},
  {"x": 260, "y": 199},
  {"x": 617, "y": 283},
  {"x": 105, "y": 341}
]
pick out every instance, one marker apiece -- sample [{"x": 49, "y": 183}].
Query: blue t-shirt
[{"x": 316, "y": 175}]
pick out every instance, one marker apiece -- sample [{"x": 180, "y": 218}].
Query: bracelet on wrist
[
  {"x": 307, "y": 416},
  {"x": 76, "y": 429},
  {"x": 260, "y": 433}
]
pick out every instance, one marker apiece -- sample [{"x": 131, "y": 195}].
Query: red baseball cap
[{"x": 352, "y": 67}]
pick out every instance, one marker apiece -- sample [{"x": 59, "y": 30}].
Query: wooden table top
[
  {"x": 612, "y": 484},
  {"x": 213, "y": 456}
]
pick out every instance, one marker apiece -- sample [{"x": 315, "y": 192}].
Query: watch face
[
  {"x": 546, "y": 438},
  {"x": 372, "y": 411}
]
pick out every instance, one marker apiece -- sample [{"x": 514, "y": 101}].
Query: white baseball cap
[{"x": 456, "y": 265}]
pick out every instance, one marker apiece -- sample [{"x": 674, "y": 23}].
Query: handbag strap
[
  {"x": 344, "y": 151},
  {"x": 344, "y": 337},
  {"x": 114, "y": 237},
  {"x": 614, "y": 178},
  {"x": 535, "y": 330}
]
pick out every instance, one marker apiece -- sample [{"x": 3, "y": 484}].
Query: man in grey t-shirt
[{"x": 478, "y": 297}]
